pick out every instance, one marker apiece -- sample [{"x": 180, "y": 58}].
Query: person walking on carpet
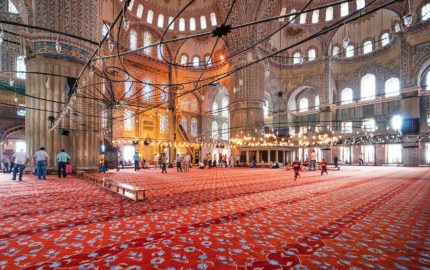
[
  {"x": 163, "y": 163},
  {"x": 62, "y": 159},
  {"x": 20, "y": 159},
  {"x": 136, "y": 161},
  {"x": 296, "y": 168},
  {"x": 41, "y": 161},
  {"x": 323, "y": 167}
]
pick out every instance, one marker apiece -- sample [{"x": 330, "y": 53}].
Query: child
[
  {"x": 323, "y": 167},
  {"x": 296, "y": 168},
  {"x": 69, "y": 168}
]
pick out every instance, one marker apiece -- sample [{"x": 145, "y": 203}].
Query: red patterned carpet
[{"x": 358, "y": 218}]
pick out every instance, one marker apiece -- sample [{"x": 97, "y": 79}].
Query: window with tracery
[
  {"x": 20, "y": 67},
  {"x": 368, "y": 87},
  {"x": 147, "y": 40},
  {"x": 392, "y": 87},
  {"x": 303, "y": 105}
]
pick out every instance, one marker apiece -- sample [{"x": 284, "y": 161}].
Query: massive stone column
[
  {"x": 246, "y": 106},
  {"x": 410, "y": 110},
  {"x": 81, "y": 18}
]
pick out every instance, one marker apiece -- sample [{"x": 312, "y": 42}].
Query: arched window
[
  {"x": 303, "y": 105},
  {"x": 181, "y": 24},
  {"x": 367, "y": 47},
  {"x": 128, "y": 120},
  {"x": 315, "y": 16},
  {"x": 349, "y": 52},
  {"x": 214, "y": 130},
  {"x": 385, "y": 39},
  {"x": 303, "y": 18},
  {"x": 397, "y": 27},
  {"x": 160, "y": 51},
  {"x": 336, "y": 51},
  {"x": 133, "y": 40},
  {"x": 317, "y": 101},
  {"x": 160, "y": 22},
  {"x": 147, "y": 91},
  {"x": 172, "y": 26},
  {"x": 192, "y": 24},
  {"x": 214, "y": 108},
  {"x": 329, "y": 14},
  {"x": 203, "y": 24},
  {"x": 346, "y": 96},
  {"x": 213, "y": 19},
  {"x": 283, "y": 12},
  {"x": 105, "y": 29},
  {"x": 296, "y": 58},
  {"x": 312, "y": 55},
  {"x": 224, "y": 106},
  {"x": 184, "y": 123},
  {"x": 266, "y": 109},
  {"x": 12, "y": 8},
  {"x": 427, "y": 81},
  {"x": 360, "y": 4},
  {"x": 139, "y": 11},
  {"x": 194, "y": 127},
  {"x": 164, "y": 123},
  {"x": 208, "y": 60},
  {"x": 368, "y": 87},
  {"x": 392, "y": 87},
  {"x": 224, "y": 132},
  {"x": 369, "y": 125},
  {"x": 150, "y": 17},
  {"x": 425, "y": 12},
  {"x": 196, "y": 61},
  {"x": 130, "y": 6},
  {"x": 184, "y": 59},
  {"x": 20, "y": 67},
  {"x": 104, "y": 119},
  {"x": 396, "y": 122},
  {"x": 292, "y": 17},
  {"x": 344, "y": 9},
  {"x": 128, "y": 89},
  {"x": 147, "y": 40}
]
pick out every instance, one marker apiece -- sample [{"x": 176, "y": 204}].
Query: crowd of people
[
  {"x": 219, "y": 161},
  {"x": 16, "y": 163}
]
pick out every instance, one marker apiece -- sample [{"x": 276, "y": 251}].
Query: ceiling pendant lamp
[{"x": 58, "y": 45}]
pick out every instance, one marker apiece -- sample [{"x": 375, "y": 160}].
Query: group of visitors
[
  {"x": 296, "y": 165},
  {"x": 17, "y": 162},
  {"x": 183, "y": 163},
  {"x": 219, "y": 161}
]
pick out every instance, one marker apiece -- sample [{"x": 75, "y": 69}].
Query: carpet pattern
[{"x": 357, "y": 218}]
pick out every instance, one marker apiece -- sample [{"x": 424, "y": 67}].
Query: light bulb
[
  {"x": 78, "y": 90},
  {"x": 74, "y": 96},
  {"x": 48, "y": 84},
  {"x": 58, "y": 46},
  {"x": 1, "y": 37},
  {"x": 234, "y": 90},
  {"x": 301, "y": 59},
  {"x": 15, "y": 99},
  {"x": 91, "y": 71},
  {"x": 346, "y": 42},
  {"x": 110, "y": 45},
  {"x": 267, "y": 73},
  {"x": 84, "y": 82},
  {"x": 240, "y": 82},
  {"x": 126, "y": 24},
  {"x": 11, "y": 82}
]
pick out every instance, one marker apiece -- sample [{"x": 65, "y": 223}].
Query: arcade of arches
[{"x": 259, "y": 82}]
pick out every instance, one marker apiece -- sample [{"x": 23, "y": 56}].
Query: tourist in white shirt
[
  {"x": 155, "y": 159},
  {"x": 20, "y": 159},
  {"x": 41, "y": 161},
  {"x": 187, "y": 160}
]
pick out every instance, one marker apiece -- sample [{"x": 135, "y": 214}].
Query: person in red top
[
  {"x": 323, "y": 167},
  {"x": 296, "y": 167}
]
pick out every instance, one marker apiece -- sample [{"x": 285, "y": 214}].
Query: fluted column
[{"x": 247, "y": 103}]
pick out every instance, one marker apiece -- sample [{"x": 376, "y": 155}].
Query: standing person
[
  {"x": 11, "y": 164},
  {"x": 360, "y": 160},
  {"x": 231, "y": 161},
  {"x": 62, "y": 159},
  {"x": 220, "y": 160},
  {"x": 155, "y": 160},
  {"x": 214, "y": 161},
  {"x": 254, "y": 162},
  {"x": 178, "y": 163},
  {"x": 323, "y": 167},
  {"x": 136, "y": 161},
  {"x": 187, "y": 160},
  {"x": 163, "y": 163},
  {"x": 5, "y": 161},
  {"x": 225, "y": 160},
  {"x": 121, "y": 161},
  {"x": 336, "y": 160},
  {"x": 237, "y": 160},
  {"x": 102, "y": 168},
  {"x": 313, "y": 166},
  {"x": 20, "y": 160},
  {"x": 209, "y": 161},
  {"x": 41, "y": 161},
  {"x": 296, "y": 168}
]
